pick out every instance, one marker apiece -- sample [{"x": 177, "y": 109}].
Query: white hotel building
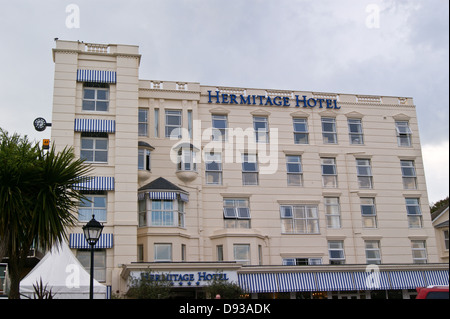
[{"x": 291, "y": 194}]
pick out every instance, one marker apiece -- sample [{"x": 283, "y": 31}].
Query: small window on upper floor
[
  {"x": 95, "y": 97},
  {"x": 403, "y": 133}
]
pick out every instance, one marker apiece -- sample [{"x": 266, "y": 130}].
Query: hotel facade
[{"x": 290, "y": 194}]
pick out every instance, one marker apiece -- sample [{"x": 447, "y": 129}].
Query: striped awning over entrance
[
  {"x": 163, "y": 195},
  {"x": 96, "y": 76},
  {"x": 78, "y": 241},
  {"x": 96, "y": 183},
  {"x": 95, "y": 125},
  {"x": 340, "y": 281}
]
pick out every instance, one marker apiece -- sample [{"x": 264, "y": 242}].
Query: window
[
  {"x": 301, "y": 261},
  {"x": 156, "y": 122},
  {"x": 403, "y": 133},
  {"x": 408, "y": 174},
  {"x": 236, "y": 213},
  {"x": 213, "y": 162},
  {"x": 84, "y": 257},
  {"x": 446, "y": 239},
  {"x": 92, "y": 205},
  {"x": 414, "y": 213},
  {"x": 332, "y": 212},
  {"x": 355, "y": 131},
  {"x": 94, "y": 148},
  {"x": 299, "y": 219},
  {"x": 220, "y": 126},
  {"x": 242, "y": 253},
  {"x": 301, "y": 134},
  {"x": 183, "y": 252},
  {"x": 187, "y": 159},
  {"x": 364, "y": 172},
  {"x": 368, "y": 212},
  {"x": 143, "y": 122},
  {"x": 294, "y": 170},
  {"x": 419, "y": 251},
  {"x": 373, "y": 254},
  {"x": 163, "y": 252},
  {"x": 329, "y": 130},
  {"x": 95, "y": 97},
  {"x": 219, "y": 250},
  {"x": 144, "y": 159},
  {"x": 261, "y": 127},
  {"x": 142, "y": 207},
  {"x": 190, "y": 123},
  {"x": 162, "y": 213},
  {"x": 249, "y": 169},
  {"x": 173, "y": 123},
  {"x": 336, "y": 252},
  {"x": 329, "y": 173}
]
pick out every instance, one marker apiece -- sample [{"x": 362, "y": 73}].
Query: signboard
[
  {"x": 285, "y": 101},
  {"x": 188, "y": 278},
  {"x": 45, "y": 144}
]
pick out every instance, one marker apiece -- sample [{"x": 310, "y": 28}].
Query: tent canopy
[{"x": 61, "y": 271}]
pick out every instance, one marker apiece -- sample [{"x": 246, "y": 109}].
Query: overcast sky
[{"x": 398, "y": 48}]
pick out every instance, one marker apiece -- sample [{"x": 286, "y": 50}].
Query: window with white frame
[
  {"x": 242, "y": 253},
  {"x": 173, "y": 123},
  {"x": 187, "y": 159},
  {"x": 445, "y": 239},
  {"x": 144, "y": 159},
  {"x": 94, "y": 147},
  {"x": 143, "y": 122},
  {"x": 302, "y": 261},
  {"x": 355, "y": 131},
  {"x": 373, "y": 252},
  {"x": 364, "y": 173},
  {"x": 332, "y": 212},
  {"x": 301, "y": 134},
  {"x": 414, "y": 212},
  {"x": 213, "y": 169},
  {"x": 84, "y": 257},
  {"x": 368, "y": 212},
  {"x": 329, "y": 172},
  {"x": 142, "y": 212},
  {"x": 329, "y": 130},
  {"x": 163, "y": 213},
  {"x": 403, "y": 133},
  {"x": 261, "y": 127},
  {"x": 408, "y": 174},
  {"x": 336, "y": 252},
  {"x": 419, "y": 251},
  {"x": 95, "y": 97},
  {"x": 299, "y": 219},
  {"x": 294, "y": 170},
  {"x": 162, "y": 252},
  {"x": 236, "y": 213},
  {"x": 219, "y": 126},
  {"x": 94, "y": 204},
  {"x": 250, "y": 170}
]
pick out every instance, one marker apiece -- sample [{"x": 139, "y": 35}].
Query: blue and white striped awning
[
  {"x": 97, "y": 183},
  {"x": 296, "y": 282},
  {"x": 406, "y": 279},
  {"x": 96, "y": 76},
  {"x": 78, "y": 241},
  {"x": 371, "y": 280},
  {"x": 437, "y": 277},
  {"x": 335, "y": 281},
  {"x": 262, "y": 282},
  {"x": 95, "y": 125},
  {"x": 164, "y": 195}
]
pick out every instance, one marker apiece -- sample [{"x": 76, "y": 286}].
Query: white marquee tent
[{"x": 61, "y": 271}]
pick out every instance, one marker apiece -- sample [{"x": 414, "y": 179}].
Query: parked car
[{"x": 433, "y": 292}]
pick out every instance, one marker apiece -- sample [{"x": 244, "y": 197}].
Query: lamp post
[{"x": 92, "y": 231}]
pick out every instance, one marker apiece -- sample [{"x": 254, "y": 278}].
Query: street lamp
[{"x": 92, "y": 231}]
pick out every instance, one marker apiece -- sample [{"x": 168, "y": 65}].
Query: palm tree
[{"x": 37, "y": 199}]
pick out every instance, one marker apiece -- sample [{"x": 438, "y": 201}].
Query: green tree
[
  {"x": 439, "y": 204},
  {"x": 226, "y": 290},
  {"x": 37, "y": 199},
  {"x": 146, "y": 287}
]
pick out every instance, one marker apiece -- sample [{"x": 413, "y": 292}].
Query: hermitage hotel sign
[{"x": 224, "y": 98}]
